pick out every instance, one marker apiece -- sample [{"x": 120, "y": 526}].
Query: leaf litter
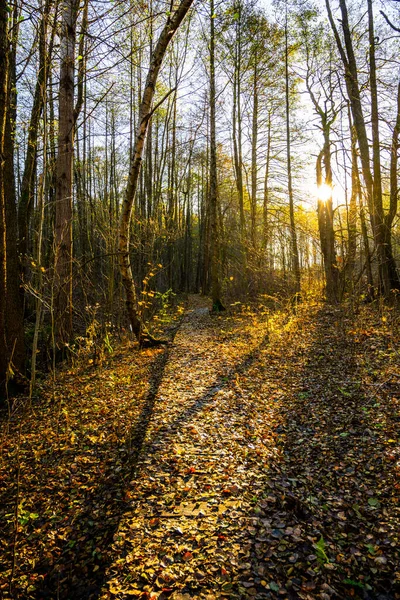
[{"x": 256, "y": 457}]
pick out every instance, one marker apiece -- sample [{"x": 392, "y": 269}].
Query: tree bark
[
  {"x": 3, "y": 239},
  {"x": 237, "y": 132},
  {"x": 25, "y": 205},
  {"x": 64, "y": 178},
  {"x": 145, "y": 113},
  {"x": 292, "y": 223},
  {"x": 217, "y": 305},
  {"x": 388, "y": 277},
  {"x": 352, "y": 212},
  {"x": 254, "y": 137},
  {"x": 325, "y": 223},
  {"x": 12, "y": 350},
  {"x": 265, "y": 237}
]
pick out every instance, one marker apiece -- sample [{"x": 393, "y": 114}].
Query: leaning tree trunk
[
  {"x": 145, "y": 113},
  {"x": 352, "y": 213}
]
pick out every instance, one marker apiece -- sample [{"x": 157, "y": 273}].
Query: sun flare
[{"x": 324, "y": 192}]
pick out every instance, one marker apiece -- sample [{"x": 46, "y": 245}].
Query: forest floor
[{"x": 257, "y": 456}]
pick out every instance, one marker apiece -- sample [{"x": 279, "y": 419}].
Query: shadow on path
[
  {"x": 81, "y": 568},
  {"x": 330, "y": 499},
  {"x": 79, "y": 572}
]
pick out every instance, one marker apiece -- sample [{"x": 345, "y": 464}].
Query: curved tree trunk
[{"x": 145, "y": 113}]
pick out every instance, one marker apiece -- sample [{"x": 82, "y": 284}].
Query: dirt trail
[
  {"x": 195, "y": 480},
  {"x": 256, "y": 479},
  {"x": 255, "y": 457}
]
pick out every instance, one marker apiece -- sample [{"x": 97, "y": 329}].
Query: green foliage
[
  {"x": 353, "y": 583},
  {"x": 319, "y": 548}
]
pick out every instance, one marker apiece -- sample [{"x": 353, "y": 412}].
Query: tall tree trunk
[
  {"x": 325, "y": 223},
  {"x": 237, "y": 130},
  {"x": 25, "y": 205},
  {"x": 12, "y": 351},
  {"x": 145, "y": 113},
  {"x": 3, "y": 238},
  {"x": 266, "y": 187},
  {"x": 394, "y": 193},
  {"x": 292, "y": 223},
  {"x": 367, "y": 251},
  {"x": 388, "y": 277},
  {"x": 352, "y": 212},
  {"x": 254, "y": 137},
  {"x": 387, "y": 266},
  {"x": 64, "y": 177},
  {"x": 214, "y": 225}
]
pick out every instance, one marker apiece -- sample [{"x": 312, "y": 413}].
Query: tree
[
  {"x": 217, "y": 305},
  {"x": 64, "y": 177},
  {"x": 12, "y": 351},
  {"x": 3, "y": 240},
  {"x": 293, "y": 234},
  {"x": 26, "y": 200},
  {"x": 319, "y": 84},
  {"x": 145, "y": 112},
  {"x": 381, "y": 223},
  {"x": 68, "y": 113}
]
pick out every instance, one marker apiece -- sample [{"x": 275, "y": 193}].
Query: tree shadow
[
  {"x": 331, "y": 523},
  {"x": 79, "y": 570},
  {"x": 81, "y": 567},
  {"x": 316, "y": 488}
]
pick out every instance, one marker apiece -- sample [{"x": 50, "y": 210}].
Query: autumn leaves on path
[
  {"x": 257, "y": 478},
  {"x": 202, "y": 467},
  {"x": 255, "y": 457}
]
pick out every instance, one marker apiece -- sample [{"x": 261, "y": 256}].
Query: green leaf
[
  {"x": 373, "y": 502},
  {"x": 346, "y": 394},
  {"x": 274, "y": 586},
  {"x": 352, "y": 582},
  {"x": 319, "y": 547}
]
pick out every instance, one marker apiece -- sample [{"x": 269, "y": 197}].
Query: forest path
[
  {"x": 257, "y": 456},
  {"x": 257, "y": 478}
]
